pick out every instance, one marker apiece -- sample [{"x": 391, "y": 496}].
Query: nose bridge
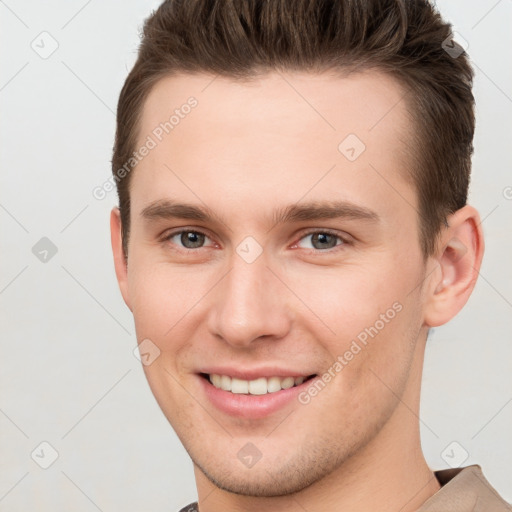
[{"x": 246, "y": 304}]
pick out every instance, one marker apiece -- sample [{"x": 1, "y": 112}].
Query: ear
[
  {"x": 458, "y": 261},
  {"x": 120, "y": 261}
]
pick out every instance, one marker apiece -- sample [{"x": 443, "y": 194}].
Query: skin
[{"x": 247, "y": 149}]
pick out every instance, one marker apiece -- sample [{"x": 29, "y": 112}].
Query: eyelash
[{"x": 345, "y": 241}]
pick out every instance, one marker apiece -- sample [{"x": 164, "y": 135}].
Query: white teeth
[
  {"x": 287, "y": 383},
  {"x": 274, "y": 384},
  {"x": 239, "y": 386},
  {"x": 216, "y": 380},
  {"x": 225, "y": 382},
  {"x": 259, "y": 386}
]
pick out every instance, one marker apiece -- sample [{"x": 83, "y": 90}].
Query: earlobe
[
  {"x": 120, "y": 261},
  {"x": 458, "y": 260}
]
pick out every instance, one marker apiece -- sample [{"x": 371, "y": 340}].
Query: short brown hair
[{"x": 240, "y": 39}]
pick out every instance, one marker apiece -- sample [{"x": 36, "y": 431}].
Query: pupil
[
  {"x": 323, "y": 238},
  {"x": 191, "y": 239}
]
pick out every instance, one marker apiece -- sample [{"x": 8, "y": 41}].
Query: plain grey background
[{"x": 68, "y": 376}]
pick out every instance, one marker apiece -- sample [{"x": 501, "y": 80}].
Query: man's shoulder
[{"x": 465, "y": 490}]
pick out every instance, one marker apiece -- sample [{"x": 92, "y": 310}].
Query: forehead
[
  {"x": 279, "y": 134},
  {"x": 326, "y": 103}
]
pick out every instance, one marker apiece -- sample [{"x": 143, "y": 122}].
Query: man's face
[{"x": 250, "y": 292}]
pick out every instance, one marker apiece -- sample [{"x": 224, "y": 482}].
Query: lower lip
[{"x": 251, "y": 406}]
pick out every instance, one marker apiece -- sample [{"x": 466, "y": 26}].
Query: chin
[
  {"x": 269, "y": 478},
  {"x": 260, "y": 485}
]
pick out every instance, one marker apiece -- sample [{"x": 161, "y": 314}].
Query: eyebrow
[{"x": 310, "y": 211}]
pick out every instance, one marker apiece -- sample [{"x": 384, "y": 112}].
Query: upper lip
[{"x": 254, "y": 373}]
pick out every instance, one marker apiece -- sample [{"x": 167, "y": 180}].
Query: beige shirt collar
[{"x": 465, "y": 490}]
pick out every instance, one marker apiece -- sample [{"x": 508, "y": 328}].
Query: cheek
[
  {"x": 348, "y": 300},
  {"x": 367, "y": 375},
  {"x": 162, "y": 296},
  {"x": 366, "y": 319}
]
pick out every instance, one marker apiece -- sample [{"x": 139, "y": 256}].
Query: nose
[{"x": 249, "y": 303}]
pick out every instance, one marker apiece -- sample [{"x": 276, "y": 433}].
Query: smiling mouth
[{"x": 260, "y": 386}]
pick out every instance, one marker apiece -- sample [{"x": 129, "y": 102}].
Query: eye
[
  {"x": 323, "y": 240},
  {"x": 189, "y": 239}
]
